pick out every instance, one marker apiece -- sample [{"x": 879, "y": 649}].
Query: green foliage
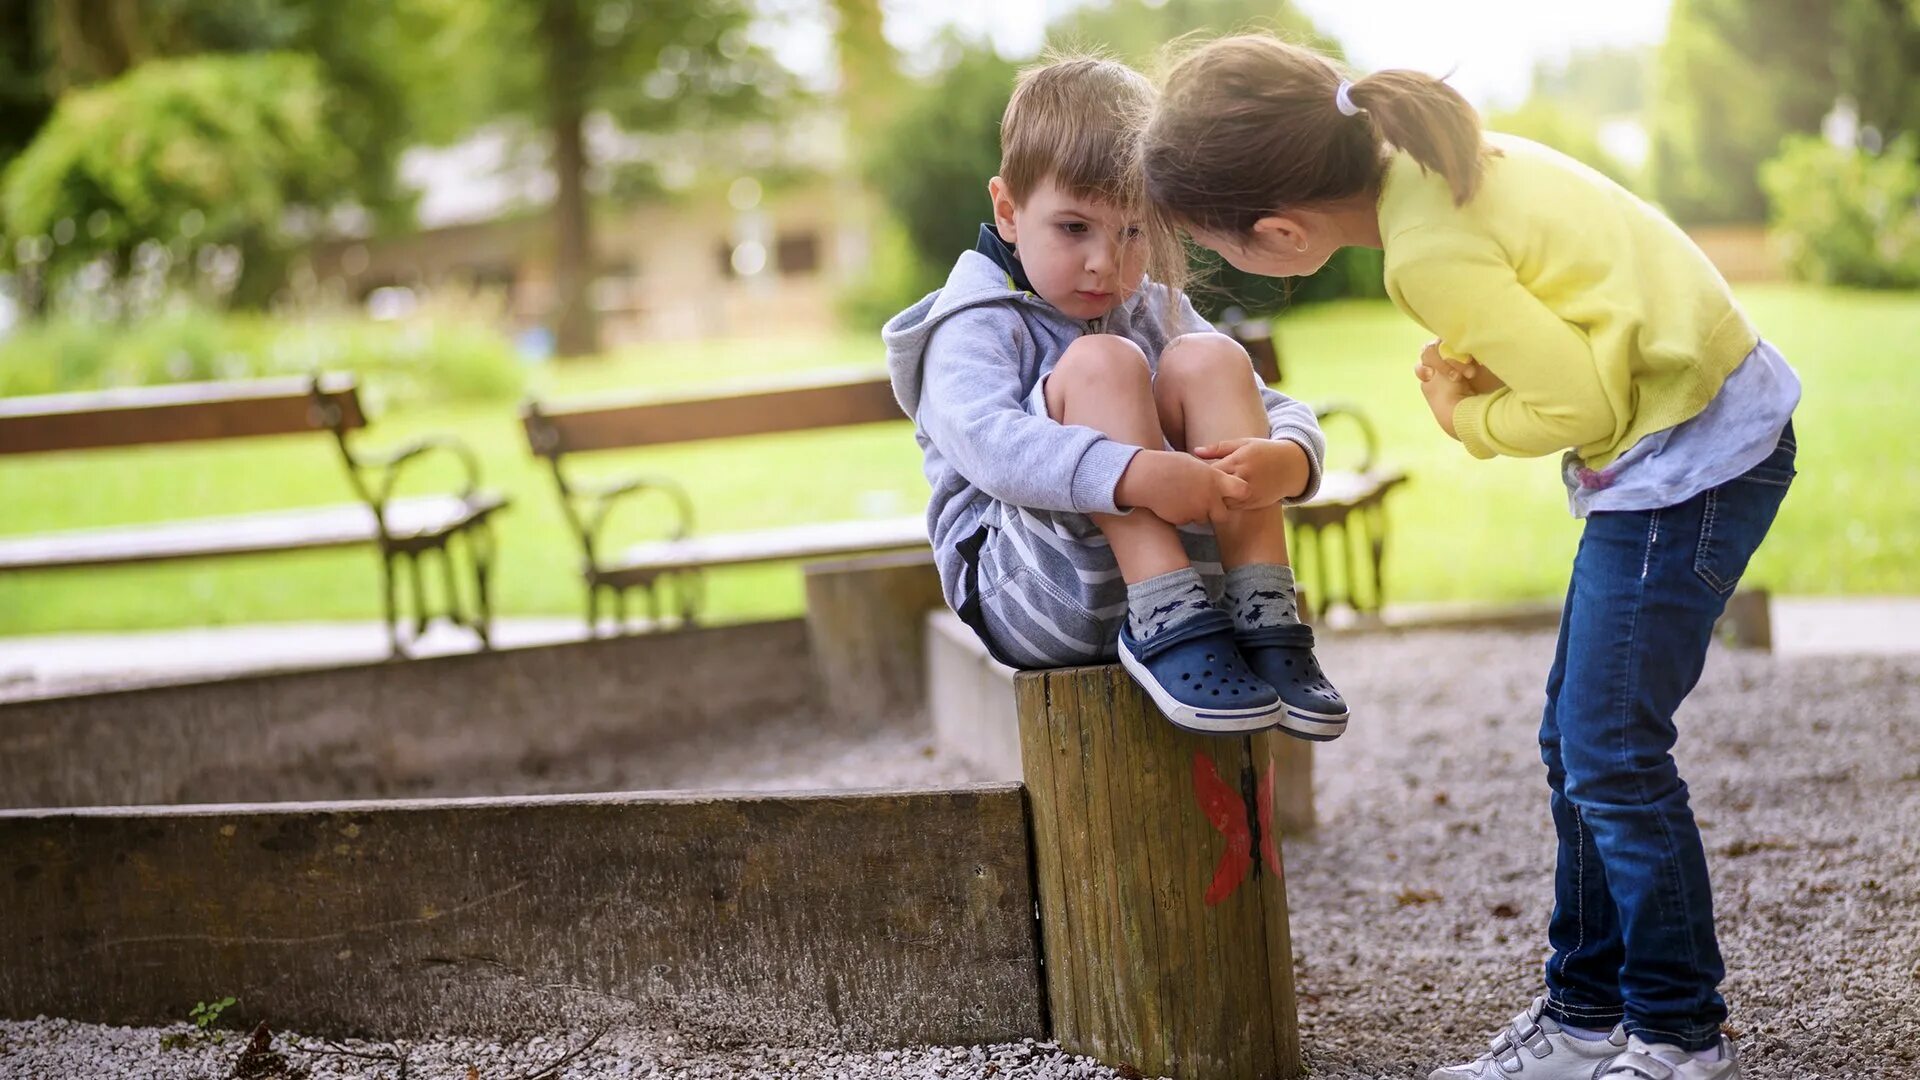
[
  {"x": 1144, "y": 34},
  {"x": 182, "y": 154},
  {"x": 203, "y": 1016},
  {"x": 1574, "y": 134},
  {"x": 1847, "y": 216},
  {"x": 649, "y": 66},
  {"x": 24, "y": 99},
  {"x": 895, "y": 277},
  {"x": 1608, "y": 80},
  {"x": 932, "y": 163},
  {"x": 1737, "y": 76},
  {"x": 442, "y": 357}
]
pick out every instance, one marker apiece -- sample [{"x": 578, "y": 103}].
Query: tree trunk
[{"x": 568, "y": 52}]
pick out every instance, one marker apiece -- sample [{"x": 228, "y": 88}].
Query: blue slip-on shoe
[
  {"x": 1197, "y": 678},
  {"x": 1283, "y": 656}
]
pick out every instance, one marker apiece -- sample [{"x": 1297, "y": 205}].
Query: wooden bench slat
[
  {"x": 241, "y": 534},
  {"x": 822, "y": 540},
  {"x": 799, "y": 406},
  {"x": 184, "y": 412},
  {"x": 1344, "y": 487},
  {"x": 830, "y": 539}
]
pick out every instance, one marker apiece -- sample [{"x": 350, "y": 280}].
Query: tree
[
  {"x": 1737, "y": 76},
  {"x": 1146, "y": 35},
  {"x": 1141, "y": 32},
  {"x": 141, "y": 174},
  {"x": 649, "y": 67}
]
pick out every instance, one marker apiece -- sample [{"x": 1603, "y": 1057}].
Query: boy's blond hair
[{"x": 1074, "y": 118}]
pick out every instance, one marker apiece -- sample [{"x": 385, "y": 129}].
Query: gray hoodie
[{"x": 964, "y": 361}]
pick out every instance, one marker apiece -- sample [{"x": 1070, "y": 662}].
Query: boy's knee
[
  {"x": 1099, "y": 363},
  {"x": 1205, "y": 356}
]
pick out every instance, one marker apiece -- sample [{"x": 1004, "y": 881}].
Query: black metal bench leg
[
  {"x": 1346, "y": 557},
  {"x": 389, "y": 601},
  {"x": 1376, "y": 517},
  {"x": 419, "y": 589},
  {"x": 480, "y": 554}
]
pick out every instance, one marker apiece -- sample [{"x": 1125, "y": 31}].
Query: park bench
[
  {"x": 557, "y": 432},
  {"x": 404, "y": 530}
]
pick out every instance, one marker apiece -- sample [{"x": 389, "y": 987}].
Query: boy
[{"x": 1107, "y": 472}]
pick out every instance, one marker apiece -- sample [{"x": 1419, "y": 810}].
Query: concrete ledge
[
  {"x": 876, "y": 918},
  {"x": 970, "y": 699},
  {"x": 624, "y": 710},
  {"x": 1746, "y": 624}
]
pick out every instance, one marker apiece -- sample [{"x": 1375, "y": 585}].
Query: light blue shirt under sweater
[{"x": 1735, "y": 432}]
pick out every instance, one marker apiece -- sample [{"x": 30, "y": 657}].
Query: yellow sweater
[{"x": 1606, "y": 323}]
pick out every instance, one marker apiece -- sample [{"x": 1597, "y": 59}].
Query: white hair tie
[{"x": 1345, "y": 102}]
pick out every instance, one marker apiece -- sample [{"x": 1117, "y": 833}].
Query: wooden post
[
  {"x": 866, "y": 618},
  {"x": 1748, "y": 620},
  {"x": 1163, "y": 903}
]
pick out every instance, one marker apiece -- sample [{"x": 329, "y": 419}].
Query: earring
[{"x": 1300, "y": 247}]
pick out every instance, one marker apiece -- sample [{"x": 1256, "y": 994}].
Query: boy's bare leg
[
  {"x": 1205, "y": 395},
  {"x": 1103, "y": 382}
]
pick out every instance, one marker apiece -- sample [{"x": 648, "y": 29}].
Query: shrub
[
  {"x": 1846, "y": 216},
  {"x": 436, "y": 357}
]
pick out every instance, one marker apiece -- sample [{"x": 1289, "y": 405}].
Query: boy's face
[{"x": 1084, "y": 256}]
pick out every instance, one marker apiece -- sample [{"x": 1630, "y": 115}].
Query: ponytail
[
  {"x": 1248, "y": 126},
  {"x": 1430, "y": 121}
]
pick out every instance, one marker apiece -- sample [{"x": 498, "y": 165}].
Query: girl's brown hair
[{"x": 1249, "y": 126}]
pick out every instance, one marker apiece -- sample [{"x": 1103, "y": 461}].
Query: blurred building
[{"x": 718, "y": 254}]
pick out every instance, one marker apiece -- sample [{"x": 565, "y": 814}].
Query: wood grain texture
[
  {"x": 829, "y": 401},
  {"x": 1133, "y": 822},
  {"x": 880, "y": 919},
  {"x": 185, "y": 412}
]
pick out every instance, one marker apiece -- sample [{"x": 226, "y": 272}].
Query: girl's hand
[
  {"x": 1469, "y": 370},
  {"x": 1443, "y": 396},
  {"x": 1274, "y": 469}
]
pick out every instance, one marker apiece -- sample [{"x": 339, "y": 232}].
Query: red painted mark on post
[
  {"x": 1267, "y": 850},
  {"x": 1227, "y": 812}
]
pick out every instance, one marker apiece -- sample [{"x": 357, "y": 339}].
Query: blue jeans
[{"x": 1632, "y": 927}]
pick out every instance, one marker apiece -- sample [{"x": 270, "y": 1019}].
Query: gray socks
[
  {"x": 1257, "y": 596},
  {"x": 1163, "y": 603},
  {"x": 1260, "y": 595}
]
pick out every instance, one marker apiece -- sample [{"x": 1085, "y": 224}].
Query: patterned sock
[
  {"x": 1162, "y": 603},
  {"x": 1260, "y": 595}
]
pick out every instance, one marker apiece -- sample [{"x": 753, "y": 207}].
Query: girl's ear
[
  {"x": 1280, "y": 233},
  {"x": 1003, "y": 207}
]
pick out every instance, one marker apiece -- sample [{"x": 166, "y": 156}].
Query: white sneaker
[
  {"x": 1534, "y": 1047},
  {"x": 1659, "y": 1061}
]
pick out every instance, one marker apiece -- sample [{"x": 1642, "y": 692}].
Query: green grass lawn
[{"x": 1461, "y": 530}]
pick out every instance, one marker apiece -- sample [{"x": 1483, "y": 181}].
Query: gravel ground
[{"x": 1419, "y": 909}]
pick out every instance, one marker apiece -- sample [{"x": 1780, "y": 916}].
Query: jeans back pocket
[{"x": 1736, "y": 515}]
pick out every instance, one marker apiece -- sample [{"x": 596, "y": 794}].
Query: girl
[{"x": 1570, "y": 316}]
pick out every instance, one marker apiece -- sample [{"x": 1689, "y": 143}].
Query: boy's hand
[
  {"x": 1274, "y": 469},
  {"x": 1443, "y": 395},
  {"x": 1177, "y": 488},
  {"x": 1469, "y": 370}
]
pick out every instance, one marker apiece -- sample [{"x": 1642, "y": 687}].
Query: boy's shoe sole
[
  {"x": 1208, "y": 721},
  {"x": 1265, "y": 649},
  {"x": 1313, "y": 727}
]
